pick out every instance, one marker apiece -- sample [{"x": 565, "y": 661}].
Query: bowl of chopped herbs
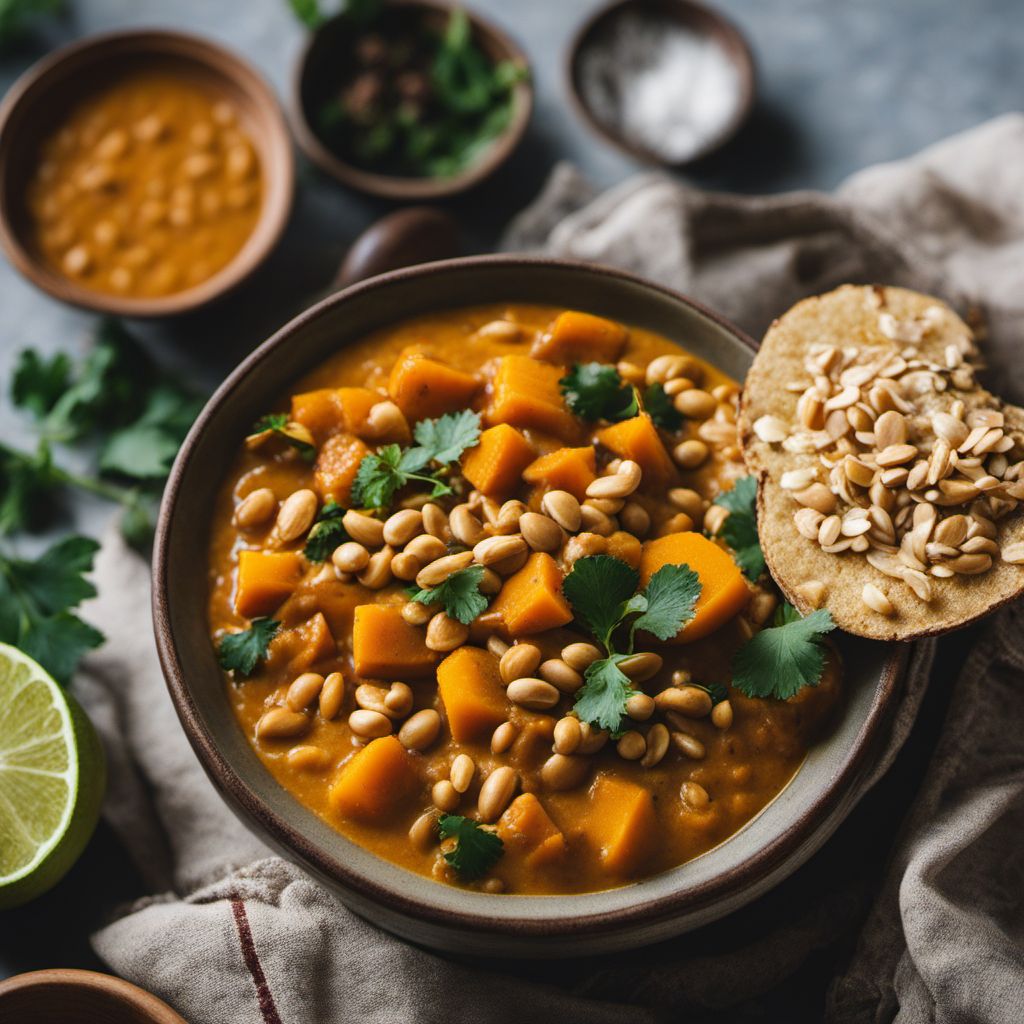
[{"x": 408, "y": 99}]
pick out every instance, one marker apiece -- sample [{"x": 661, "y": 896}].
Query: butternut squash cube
[
  {"x": 526, "y": 395},
  {"x": 472, "y": 692},
  {"x": 385, "y": 646},
  {"x": 337, "y": 463},
  {"x": 373, "y": 783},
  {"x": 265, "y": 579},
  {"x": 313, "y": 642},
  {"x": 724, "y": 591},
  {"x": 638, "y": 439},
  {"x": 328, "y": 410},
  {"x": 495, "y": 465},
  {"x": 625, "y": 547},
  {"x": 424, "y": 388},
  {"x": 575, "y": 337},
  {"x": 531, "y": 600},
  {"x": 526, "y": 828},
  {"x": 621, "y": 825},
  {"x": 565, "y": 469}
]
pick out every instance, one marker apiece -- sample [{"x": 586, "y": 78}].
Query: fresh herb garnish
[
  {"x": 477, "y": 849},
  {"x": 601, "y": 590},
  {"x": 739, "y": 530},
  {"x": 293, "y": 434},
  {"x": 659, "y": 407},
  {"x": 595, "y": 391},
  {"x": 241, "y": 652},
  {"x": 36, "y": 602},
  {"x": 381, "y": 474},
  {"x": 459, "y": 594},
  {"x": 37, "y": 382},
  {"x": 779, "y": 661},
  {"x": 326, "y": 534}
]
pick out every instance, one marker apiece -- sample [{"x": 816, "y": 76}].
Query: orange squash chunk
[
  {"x": 724, "y": 591},
  {"x": 328, "y": 410},
  {"x": 531, "y": 600},
  {"x": 526, "y": 395},
  {"x": 575, "y": 337},
  {"x": 495, "y": 465},
  {"x": 565, "y": 469},
  {"x": 472, "y": 692},
  {"x": 526, "y": 827},
  {"x": 374, "y": 782},
  {"x": 313, "y": 643},
  {"x": 265, "y": 579},
  {"x": 424, "y": 388},
  {"x": 385, "y": 646},
  {"x": 621, "y": 824},
  {"x": 625, "y": 547},
  {"x": 638, "y": 439},
  {"x": 336, "y": 466}
]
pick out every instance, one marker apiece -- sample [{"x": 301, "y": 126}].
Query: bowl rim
[
  {"x": 389, "y": 186},
  {"x": 562, "y": 923},
  {"x": 172, "y": 44},
  {"x": 720, "y": 27}
]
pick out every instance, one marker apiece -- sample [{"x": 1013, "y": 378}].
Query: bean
[
  {"x": 691, "y": 454},
  {"x": 420, "y": 730},
  {"x": 445, "y": 633},
  {"x": 635, "y": 519},
  {"x": 541, "y": 532},
  {"x": 496, "y": 792},
  {"x": 490, "y": 582},
  {"x": 688, "y": 501},
  {"x": 307, "y": 758},
  {"x": 503, "y": 737},
  {"x": 563, "y": 508},
  {"x": 560, "y": 675},
  {"x": 438, "y": 571},
  {"x": 567, "y": 735},
  {"x": 592, "y": 739},
  {"x": 494, "y": 550},
  {"x": 405, "y": 566},
  {"x": 435, "y": 522},
  {"x": 657, "y": 745},
  {"x": 256, "y": 508},
  {"x": 695, "y": 403},
  {"x": 518, "y": 661},
  {"x": 423, "y": 833},
  {"x": 689, "y": 700},
  {"x": 281, "y": 723},
  {"x": 623, "y": 482},
  {"x": 534, "y": 694},
  {"x": 689, "y": 746},
  {"x": 561, "y": 772},
  {"x": 694, "y": 795},
  {"x": 444, "y": 796},
  {"x": 399, "y": 699},
  {"x": 580, "y": 656},
  {"x": 369, "y": 724},
  {"x": 511, "y": 563},
  {"x": 417, "y": 614},
  {"x": 304, "y": 690},
  {"x": 371, "y": 698},
  {"x": 350, "y": 557},
  {"x": 721, "y": 715},
  {"x": 596, "y": 521},
  {"x": 640, "y": 707},
  {"x": 331, "y": 695},
  {"x": 401, "y": 527},
  {"x": 377, "y": 573},
  {"x": 465, "y": 526},
  {"x": 497, "y": 646},
  {"x": 364, "y": 529},
  {"x": 461, "y": 773},
  {"x": 631, "y": 745},
  {"x": 507, "y": 520},
  {"x": 641, "y": 666},
  {"x": 296, "y": 514},
  {"x": 426, "y": 548}
]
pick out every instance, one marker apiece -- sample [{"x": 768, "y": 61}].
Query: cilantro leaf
[
  {"x": 780, "y": 660},
  {"x": 378, "y": 478},
  {"x": 659, "y": 407},
  {"x": 241, "y": 652},
  {"x": 446, "y": 438},
  {"x": 327, "y": 533},
  {"x": 293, "y": 434},
  {"x": 601, "y": 700},
  {"x": 667, "y": 602},
  {"x": 36, "y": 598},
  {"x": 459, "y": 593},
  {"x": 739, "y": 530},
  {"x": 477, "y": 849},
  {"x": 595, "y": 391},
  {"x": 27, "y": 485},
  {"x": 38, "y": 382},
  {"x": 598, "y": 588}
]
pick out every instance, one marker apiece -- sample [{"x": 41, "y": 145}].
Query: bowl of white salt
[{"x": 667, "y": 81}]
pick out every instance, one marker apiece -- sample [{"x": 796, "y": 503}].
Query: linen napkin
[{"x": 235, "y": 934}]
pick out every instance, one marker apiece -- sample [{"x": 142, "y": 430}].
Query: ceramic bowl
[
  {"x": 771, "y": 846},
  {"x": 39, "y": 98},
  {"x": 315, "y": 76},
  {"x": 47, "y": 997}
]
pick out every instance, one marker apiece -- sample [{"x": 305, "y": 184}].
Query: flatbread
[{"x": 862, "y": 317}]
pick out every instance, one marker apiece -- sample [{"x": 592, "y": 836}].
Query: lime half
[{"x": 52, "y": 776}]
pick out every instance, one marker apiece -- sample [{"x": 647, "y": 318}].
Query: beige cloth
[{"x": 238, "y": 935}]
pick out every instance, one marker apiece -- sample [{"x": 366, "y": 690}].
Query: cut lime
[{"x": 52, "y": 776}]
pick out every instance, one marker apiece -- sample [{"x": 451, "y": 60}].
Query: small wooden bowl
[
  {"x": 316, "y": 73},
  {"x": 38, "y": 100},
  {"x": 46, "y": 997},
  {"x": 691, "y": 15}
]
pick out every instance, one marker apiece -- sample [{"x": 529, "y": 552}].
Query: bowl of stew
[
  {"x": 416, "y": 505},
  {"x": 142, "y": 173}
]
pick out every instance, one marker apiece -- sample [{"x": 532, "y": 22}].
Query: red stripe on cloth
[{"x": 252, "y": 961}]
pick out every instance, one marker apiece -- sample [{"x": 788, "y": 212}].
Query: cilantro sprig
[
  {"x": 37, "y": 599},
  {"x": 439, "y": 443},
  {"x": 779, "y": 661},
  {"x": 459, "y": 594},
  {"x": 595, "y": 391},
  {"x": 326, "y": 534},
  {"x": 659, "y": 407},
  {"x": 477, "y": 849},
  {"x": 602, "y": 592},
  {"x": 292, "y": 434},
  {"x": 739, "y": 530},
  {"x": 241, "y": 652}
]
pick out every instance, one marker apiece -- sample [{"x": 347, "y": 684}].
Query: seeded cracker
[{"x": 919, "y": 508}]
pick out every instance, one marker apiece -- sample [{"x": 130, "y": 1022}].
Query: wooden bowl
[
  {"x": 691, "y": 15},
  {"x": 38, "y": 100},
  {"x": 66, "y": 997},
  {"x": 761, "y": 854},
  {"x": 316, "y": 73}
]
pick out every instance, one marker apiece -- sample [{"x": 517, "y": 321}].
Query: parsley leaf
[
  {"x": 598, "y": 588},
  {"x": 459, "y": 593},
  {"x": 446, "y": 438},
  {"x": 293, "y": 434},
  {"x": 38, "y": 382},
  {"x": 659, "y": 407},
  {"x": 739, "y": 530},
  {"x": 780, "y": 660},
  {"x": 602, "y": 699},
  {"x": 477, "y": 849},
  {"x": 36, "y": 598},
  {"x": 667, "y": 603},
  {"x": 327, "y": 533},
  {"x": 241, "y": 652},
  {"x": 595, "y": 391}
]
